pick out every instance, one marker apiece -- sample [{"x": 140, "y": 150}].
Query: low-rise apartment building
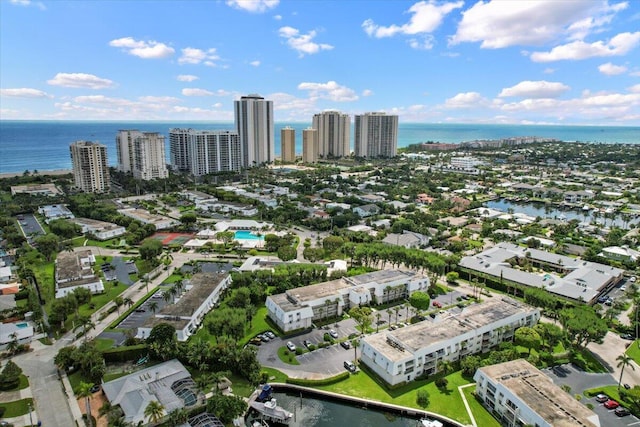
[
  {"x": 298, "y": 308},
  {"x": 75, "y": 270},
  {"x": 519, "y": 394},
  {"x": 100, "y": 229},
  {"x": 187, "y": 313},
  {"x": 407, "y": 353}
]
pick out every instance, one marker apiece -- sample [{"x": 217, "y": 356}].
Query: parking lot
[
  {"x": 143, "y": 312},
  {"x": 30, "y": 226},
  {"x": 579, "y": 381}
]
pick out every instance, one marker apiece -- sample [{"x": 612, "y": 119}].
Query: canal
[
  {"x": 312, "y": 412},
  {"x": 548, "y": 211}
]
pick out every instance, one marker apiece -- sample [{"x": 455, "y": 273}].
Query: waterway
[
  {"x": 309, "y": 412},
  {"x": 548, "y": 211}
]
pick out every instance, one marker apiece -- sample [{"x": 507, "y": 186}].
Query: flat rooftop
[
  {"x": 539, "y": 393},
  {"x": 443, "y": 328},
  {"x": 95, "y": 224},
  {"x": 69, "y": 269},
  {"x": 203, "y": 285},
  {"x": 381, "y": 277},
  {"x": 319, "y": 290}
]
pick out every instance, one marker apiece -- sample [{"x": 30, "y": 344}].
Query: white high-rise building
[
  {"x": 254, "y": 122},
  {"x": 376, "y": 135},
  {"x": 142, "y": 153},
  {"x": 206, "y": 151},
  {"x": 334, "y": 134},
  {"x": 149, "y": 160},
  {"x": 90, "y": 166},
  {"x": 179, "y": 149},
  {"x": 310, "y": 145}
]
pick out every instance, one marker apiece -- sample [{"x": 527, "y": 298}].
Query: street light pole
[{"x": 30, "y": 419}]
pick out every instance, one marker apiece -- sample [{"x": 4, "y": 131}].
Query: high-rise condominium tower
[
  {"x": 376, "y": 135},
  {"x": 208, "y": 151},
  {"x": 141, "y": 153},
  {"x": 309, "y": 145},
  {"x": 90, "y": 166},
  {"x": 333, "y": 134},
  {"x": 179, "y": 149},
  {"x": 254, "y": 121},
  {"x": 288, "y": 144}
]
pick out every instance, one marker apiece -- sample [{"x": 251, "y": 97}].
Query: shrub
[
  {"x": 326, "y": 381},
  {"x": 422, "y": 398},
  {"x": 123, "y": 354},
  {"x": 442, "y": 382}
]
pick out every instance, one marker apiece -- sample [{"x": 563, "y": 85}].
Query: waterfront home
[{"x": 402, "y": 355}]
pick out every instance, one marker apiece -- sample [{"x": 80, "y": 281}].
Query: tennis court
[{"x": 173, "y": 238}]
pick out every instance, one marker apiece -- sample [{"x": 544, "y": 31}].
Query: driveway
[
  {"x": 123, "y": 269},
  {"x": 613, "y": 346}
]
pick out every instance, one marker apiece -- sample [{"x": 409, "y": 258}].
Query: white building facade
[
  {"x": 254, "y": 122},
  {"x": 149, "y": 159},
  {"x": 74, "y": 270},
  {"x": 334, "y": 134},
  {"x": 519, "y": 394},
  {"x": 298, "y": 308},
  {"x": 376, "y": 135},
  {"x": 90, "y": 166},
  {"x": 402, "y": 355}
]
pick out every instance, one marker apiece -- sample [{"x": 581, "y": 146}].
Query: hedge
[
  {"x": 125, "y": 354},
  {"x": 326, "y": 381}
]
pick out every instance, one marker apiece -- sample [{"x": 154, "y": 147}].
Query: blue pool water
[
  {"x": 247, "y": 235},
  {"x": 22, "y": 325}
]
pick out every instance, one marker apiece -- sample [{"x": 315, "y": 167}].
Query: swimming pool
[
  {"x": 246, "y": 235},
  {"x": 22, "y": 325}
]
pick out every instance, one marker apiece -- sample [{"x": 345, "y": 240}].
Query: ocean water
[{"x": 44, "y": 145}]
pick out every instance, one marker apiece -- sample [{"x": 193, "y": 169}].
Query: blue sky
[{"x": 508, "y": 61}]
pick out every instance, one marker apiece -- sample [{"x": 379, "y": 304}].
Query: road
[{"x": 613, "y": 346}]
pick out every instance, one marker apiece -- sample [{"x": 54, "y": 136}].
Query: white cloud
[
  {"x": 196, "y": 92},
  {"x": 535, "y": 89},
  {"x": 255, "y": 63},
  {"x": 498, "y": 24},
  {"x": 38, "y": 4},
  {"x": 367, "y": 92},
  {"x": 425, "y": 43},
  {"x": 277, "y": 17},
  {"x": 24, "y": 92},
  {"x": 159, "y": 99},
  {"x": 191, "y": 55},
  {"x": 254, "y": 6},
  {"x": 329, "y": 90},
  {"x": 465, "y": 100},
  {"x": 187, "y": 78},
  {"x": 426, "y": 16},
  {"x": 80, "y": 80},
  {"x": 635, "y": 74},
  {"x": 609, "y": 69},
  {"x": 634, "y": 88},
  {"x": 302, "y": 43},
  {"x": 143, "y": 49},
  {"x": 617, "y": 46},
  {"x": 549, "y": 70}
]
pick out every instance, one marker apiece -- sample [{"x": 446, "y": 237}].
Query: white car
[
  {"x": 333, "y": 333},
  {"x": 291, "y": 346}
]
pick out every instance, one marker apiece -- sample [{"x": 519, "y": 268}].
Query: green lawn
[
  {"x": 482, "y": 416},
  {"x": 447, "y": 402},
  {"x": 287, "y": 357},
  {"x": 17, "y": 407},
  {"x": 103, "y": 343},
  {"x": 634, "y": 351},
  {"x": 258, "y": 325}
]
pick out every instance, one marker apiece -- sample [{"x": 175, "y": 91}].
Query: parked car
[
  {"x": 601, "y": 398},
  {"x": 346, "y": 345},
  {"x": 437, "y": 304},
  {"x": 307, "y": 343},
  {"x": 263, "y": 338},
  {"x": 291, "y": 346},
  {"x": 611, "y": 404},
  {"x": 621, "y": 411},
  {"x": 270, "y": 335},
  {"x": 349, "y": 366},
  {"x": 95, "y": 388},
  {"x": 140, "y": 310},
  {"x": 333, "y": 333},
  {"x": 627, "y": 337}
]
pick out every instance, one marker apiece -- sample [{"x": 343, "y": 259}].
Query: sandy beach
[{"x": 51, "y": 172}]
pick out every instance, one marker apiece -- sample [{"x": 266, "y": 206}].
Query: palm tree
[
  {"x": 378, "y": 315},
  {"x": 128, "y": 302},
  {"x": 624, "y": 361},
  {"x": 84, "y": 390},
  {"x": 445, "y": 366},
  {"x": 118, "y": 301},
  {"x": 154, "y": 411},
  {"x": 12, "y": 346},
  {"x": 178, "y": 417},
  {"x": 86, "y": 324},
  {"x": 153, "y": 306}
]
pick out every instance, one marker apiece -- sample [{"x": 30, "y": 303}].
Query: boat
[
  {"x": 271, "y": 411},
  {"x": 426, "y": 422}
]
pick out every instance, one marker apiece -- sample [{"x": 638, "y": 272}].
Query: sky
[{"x": 507, "y": 61}]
